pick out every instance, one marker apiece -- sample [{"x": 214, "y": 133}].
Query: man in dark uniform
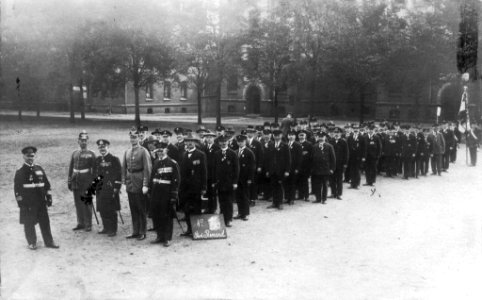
[
  {"x": 437, "y": 141},
  {"x": 210, "y": 150},
  {"x": 108, "y": 172},
  {"x": 266, "y": 142},
  {"x": 143, "y": 130},
  {"x": 323, "y": 166},
  {"x": 32, "y": 192},
  {"x": 357, "y": 150},
  {"x": 193, "y": 180},
  {"x": 450, "y": 144},
  {"x": 225, "y": 179},
  {"x": 80, "y": 178},
  {"x": 421, "y": 154},
  {"x": 180, "y": 144},
  {"x": 340, "y": 147},
  {"x": 391, "y": 150},
  {"x": 296, "y": 153},
  {"x": 172, "y": 150},
  {"x": 255, "y": 146},
  {"x": 232, "y": 139},
  {"x": 247, "y": 168},
  {"x": 279, "y": 165},
  {"x": 305, "y": 167},
  {"x": 136, "y": 169},
  {"x": 220, "y": 132},
  {"x": 409, "y": 152},
  {"x": 164, "y": 185},
  {"x": 374, "y": 150}
]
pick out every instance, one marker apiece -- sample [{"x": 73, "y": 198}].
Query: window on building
[
  {"x": 167, "y": 90},
  {"x": 149, "y": 91},
  {"x": 183, "y": 90}
]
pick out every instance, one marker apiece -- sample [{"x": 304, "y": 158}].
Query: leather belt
[
  {"x": 82, "y": 171},
  {"x": 33, "y": 185},
  {"x": 161, "y": 181}
]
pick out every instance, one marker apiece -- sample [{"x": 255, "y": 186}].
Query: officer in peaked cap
[
  {"x": 107, "y": 184},
  {"x": 259, "y": 132},
  {"x": 232, "y": 141},
  {"x": 255, "y": 145},
  {"x": 210, "y": 148},
  {"x": 33, "y": 195},
  {"x": 279, "y": 165},
  {"x": 247, "y": 169},
  {"x": 172, "y": 150},
  {"x": 357, "y": 155},
  {"x": 296, "y": 154},
  {"x": 81, "y": 170},
  {"x": 340, "y": 146}
]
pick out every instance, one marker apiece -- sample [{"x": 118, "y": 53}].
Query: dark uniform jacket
[
  {"x": 31, "y": 186},
  {"x": 438, "y": 143},
  {"x": 210, "y": 158},
  {"x": 296, "y": 153},
  {"x": 226, "y": 171},
  {"x": 81, "y": 169},
  {"x": 247, "y": 165},
  {"x": 266, "y": 154},
  {"x": 165, "y": 173},
  {"x": 341, "y": 153},
  {"x": 193, "y": 172},
  {"x": 357, "y": 147},
  {"x": 172, "y": 151},
  {"x": 257, "y": 149},
  {"x": 391, "y": 146},
  {"x": 279, "y": 159},
  {"x": 409, "y": 146},
  {"x": 422, "y": 149},
  {"x": 374, "y": 148},
  {"x": 450, "y": 139},
  {"x": 181, "y": 148},
  {"x": 306, "y": 157},
  {"x": 324, "y": 160},
  {"x": 109, "y": 168}
]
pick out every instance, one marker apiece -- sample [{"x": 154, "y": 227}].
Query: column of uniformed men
[{"x": 163, "y": 178}]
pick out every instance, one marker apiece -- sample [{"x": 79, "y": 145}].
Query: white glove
[{"x": 145, "y": 189}]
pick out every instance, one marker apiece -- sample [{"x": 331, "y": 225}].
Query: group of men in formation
[{"x": 198, "y": 172}]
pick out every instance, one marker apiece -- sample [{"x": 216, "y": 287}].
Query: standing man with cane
[
  {"x": 136, "y": 170},
  {"x": 79, "y": 181}
]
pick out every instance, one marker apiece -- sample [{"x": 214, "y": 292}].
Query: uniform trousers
[
  {"x": 391, "y": 165},
  {"x": 336, "y": 182},
  {"x": 267, "y": 188},
  {"x": 277, "y": 189},
  {"x": 291, "y": 186},
  {"x": 453, "y": 154},
  {"x": 211, "y": 195},
  {"x": 371, "y": 170},
  {"x": 303, "y": 187},
  {"x": 408, "y": 167},
  {"x": 355, "y": 176},
  {"x": 436, "y": 163},
  {"x": 162, "y": 213},
  {"x": 473, "y": 155},
  {"x": 226, "y": 205},
  {"x": 320, "y": 186},
  {"x": 137, "y": 205},
  {"x": 242, "y": 198},
  {"x": 109, "y": 220},
  {"x": 192, "y": 206},
  {"x": 41, "y": 214},
  {"x": 446, "y": 160},
  {"x": 83, "y": 210}
]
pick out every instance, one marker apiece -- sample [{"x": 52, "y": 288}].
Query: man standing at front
[
  {"x": 279, "y": 164},
  {"x": 164, "y": 186},
  {"x": 32, "y": 192},
  {"x": 193, "y": 180},
  {"x": 136, "y": 169},
  {"x": 81, "y": 171},
  {"x": 324, "y": 163}
]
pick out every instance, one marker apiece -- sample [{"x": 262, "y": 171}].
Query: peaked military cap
[
  {"x": 83, "y": 135},
  {"x": 220, "y": 128},
  {"x": 178, "y": 130},
  {"x": 29, "y": 149},
  {"x": 166, "y": 132},
  {"x": 102, "y": 142},
  {"x": 241, "y": 138}
]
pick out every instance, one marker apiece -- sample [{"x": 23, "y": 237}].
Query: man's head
[
  {"x": 223, "y": 142},
  {"x": 241, "y": 139},
  {"x": 190, "y": 141},
  {"x": 337, "y": 133},
  {"x": 321, "y": 137},
  {"x": 250, "y": 132},
  {"x": 220, "y": 130},
  {"x": 277, "y": 135},
  {"x": 29, "y": 154},
  {"x": 209, "y": 137},
  {"x": 302, "y": 135},
  {"x": 162, "y": 151},
  {"x": 134, "y": 137},
  {"x": 103, "y": 146},
  {"x": 165, "y": 136},
  {"x": 83, "y": 139},
  {"x": 142, "y": 130},
  {"x": 179, "y": 134},
  {"x": 291, "y": 136},
  {"x": 266, "y": 135}
]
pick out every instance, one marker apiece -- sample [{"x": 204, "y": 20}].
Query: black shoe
[
  {"x": 78, "y": 227},
  {"x": 252, "y": 203},
  {"x": 151, "y": 229},
  {"x": 353, "y": 187},
  {"x": 272, "y": 206},
  {"x": 338, "y": 197},
  {"x": 166, "y": 244},
  {"x": 103, "y": 231},
  {"x": 228, "y": 224},
  {"x": 132, "y": 236},
  {"x": 88, "y": 229},
  {"x": 245, "y": 218},
  {"x": 280, "y": 207},
  {"x": 53, "y": 246},
  {"x": 316, "y": 201},
  {"x": 238, "y": 217},
  {"x": 368, "y": 184},
  {"x": 111, "y": 234},
  {"x": 323, "y": 201},
  {"x": 307, "y": 200},
  {"x": 157, "y": 241},
  {"x": 332, "y": 196},
  {"x": 141, "y": 237},
  {"x": 32, "y": 247},
  {"x": 187, "y": 233}
]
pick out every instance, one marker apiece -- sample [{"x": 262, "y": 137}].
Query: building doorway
[{"x": 253, "y": 100}]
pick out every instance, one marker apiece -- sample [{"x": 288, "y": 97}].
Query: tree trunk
[
  {"x": 218, "y": 105},
  {"x": 362, "y": 104},
  {"x": 275, "y": 102},
  {"x": 199, "y": 108},
  {"x": 82, "y": 100},
  {"x": 72, "y": 112},
  {"x": 137, "y": 111}
]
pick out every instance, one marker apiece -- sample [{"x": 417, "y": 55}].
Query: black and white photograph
[{"x": 240, "y": 149}]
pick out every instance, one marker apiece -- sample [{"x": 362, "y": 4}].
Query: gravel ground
[{"x": 415, "y": 239}]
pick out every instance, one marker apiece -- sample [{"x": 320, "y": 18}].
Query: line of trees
[{"x": 314, "y": 46}]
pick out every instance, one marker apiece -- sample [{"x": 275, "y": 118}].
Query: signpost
[{"x": 207, "y": 227}]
